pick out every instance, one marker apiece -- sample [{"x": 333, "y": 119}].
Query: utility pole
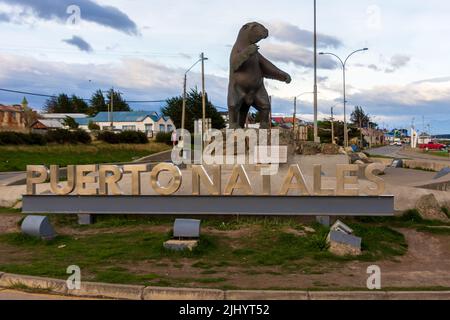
[
  {"x": 316, "y": 129},
  {"x": 183, "y": 112},
  {"x": 202, "y": 57},
  {"x": 295, "y": 114},
  {"x": 112, "y": 109},
  {"x": 332, "y": 126}
]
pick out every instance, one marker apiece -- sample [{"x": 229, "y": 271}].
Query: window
[
  {"x": 149, "y": 127},
  {"x": 129, "y": 128},
  {"x": 162, "y": 128},
  {"x": 169, "y": 128}
]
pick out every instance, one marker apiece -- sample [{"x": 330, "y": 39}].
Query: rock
[
  {"x": 330, "y": 149},
  {"x": 430, "y": 209},
  {"x": 342, "y": 151},
  {"x": 181, "y": 245},
  {"x": 341, "y": 227},
  {"x": 309, "y": 148},
  {"x": 342, "y": 244},
  {"x": 360, "y": 162},
  {"x": 362, "y": 156}
]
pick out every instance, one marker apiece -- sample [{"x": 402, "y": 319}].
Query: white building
[{"x": 149, "y": 122}]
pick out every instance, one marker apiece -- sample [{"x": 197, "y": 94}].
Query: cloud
[
  {"x": 80, "y": 43},
  {"x": 138, "y": 79},
  {"x": 397, "y": 61},
  {"x": 298, "y": 55},
  {"x": 291, "y": 33},
  {"x": 4, "y": 17},
  {"x": 107, "y": 16}
]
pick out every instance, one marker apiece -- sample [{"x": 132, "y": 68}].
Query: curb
[{"x": 133, "y": 292}]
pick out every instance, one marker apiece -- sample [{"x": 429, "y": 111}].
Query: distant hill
[{"x": 443, "y": 136}]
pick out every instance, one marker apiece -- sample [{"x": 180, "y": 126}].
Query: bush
[
  {"x": 164, "y": 137},
  {"x": 93, "y": 126},
  {"x": 59, "y": 136},
  {"x": 131, "y": 137},
  {"x": 63, "y": 136}
]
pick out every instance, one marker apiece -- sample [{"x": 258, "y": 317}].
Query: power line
[{"x": 53, "y": 96}]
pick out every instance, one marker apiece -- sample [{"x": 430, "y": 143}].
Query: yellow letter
[
  {"x": 175, "y": 182},
  {"x": 318, "y": 191},
  {"x": 238, "y": 173},
  {"x": 294, "y": 172},
  {"x": 199, "y": 175},
  {"x": 370, "y": 175},
  {"x": 83, "y": 178},
  {"x": 33, "y": 180},
  {"x": 342, "y": 180},
  {"x": 135, "y": 171},
  {"x": 109, "y": 176},
  {"x": 54, "y": 180}
]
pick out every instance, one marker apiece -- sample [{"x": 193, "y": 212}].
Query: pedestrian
[{"x": 174, "y": 138}]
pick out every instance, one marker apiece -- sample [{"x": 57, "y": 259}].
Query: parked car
[
  {"x": 433, "y": 146},
  {"x": 397, "y": 142}
]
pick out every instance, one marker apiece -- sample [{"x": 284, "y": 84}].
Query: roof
[
  {"x": 132, "y": 116},
  {"x": 64, "y": 115},
  {"x": 14, "y": 108},
  {"x": 51, "y": 123}
]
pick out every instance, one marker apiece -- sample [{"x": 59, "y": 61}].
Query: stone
[
  {"x": 342, "y": 244},
  {"x": 397, "y": 163},
  {"x": 181, "y": 245},
  {"x": 330, "y": 149},
  {"x": 430, "y": 209},
  {"x": 341, "y": 227},
  {"x": 359, "y": 162},
  {"x": 442, "y": 173}
]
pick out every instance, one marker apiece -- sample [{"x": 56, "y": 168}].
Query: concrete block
[
  {"x": 324, "y": 220},
  {"x": 258, "y": 295},
  {"x": 85, "y": 219},
  {"x": 343, "y": 244},
  {"x": 114, "y": 291},
  {"x": 442, "y": 173},
  {"x": 186, "y": 228},
  {"x": 11, "y": 280},
  {"x": 348, "y": 295},
  {"x": 156, "y": 293},
  {"x": 181, "y": 245}
]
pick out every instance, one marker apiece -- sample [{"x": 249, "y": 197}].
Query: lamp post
[
  {"x": 295, "y": 107},
  {"x": 316, "y": 127},
  {"x": 344, "y": 63},
  {"x": 332, "y": 125}
]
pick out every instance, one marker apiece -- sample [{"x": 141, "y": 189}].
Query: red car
[{"x": 433, "y": 146}]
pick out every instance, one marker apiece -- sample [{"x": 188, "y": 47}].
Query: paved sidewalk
[{"x": 9, "y": 295}]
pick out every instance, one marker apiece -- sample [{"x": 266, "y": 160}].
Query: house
[
  {"x": 44, "y": 125},
  {"x": 149, "y": 122},
  {"x": 12, "y": 118},
  {"x": 62, "y": 116},
  {"x": 373, "y": 136}
]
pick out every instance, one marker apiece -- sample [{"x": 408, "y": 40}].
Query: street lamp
[
  {"x": 344, "y": 63},
  {"x": 183, "y": 113}
]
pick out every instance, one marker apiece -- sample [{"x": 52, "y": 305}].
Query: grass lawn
[
  {"x": 16, "y": 158},
  {"x": 130, "y": 251}
]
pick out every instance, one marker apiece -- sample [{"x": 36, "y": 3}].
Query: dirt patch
[{"x": 9, "y": 223}]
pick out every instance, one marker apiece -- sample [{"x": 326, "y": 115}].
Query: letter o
[{"x": 174, "y": 184}]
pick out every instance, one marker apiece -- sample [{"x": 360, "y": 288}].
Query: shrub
[
  {"x": 412, "y": 216},
  {"x": 63, "y": 136},
  {"x": 17, "y": 138},
  {"x": 59, "y": 136},
  {"x": 164, "y": 137},
  {"x": 131, "y": 137},
  {"x": 93, "y": 126}
]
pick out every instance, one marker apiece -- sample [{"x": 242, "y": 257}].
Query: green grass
[
  {"x": 111, "y": 256},
  {"x": 446, "y": 211},
  {"x": 18, "y": 157},
  {"x": 9, "y": 210}
]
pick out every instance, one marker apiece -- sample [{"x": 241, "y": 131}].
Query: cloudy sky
[{"x": 143, "y": 47}]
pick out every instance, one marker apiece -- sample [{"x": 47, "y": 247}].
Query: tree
[
  {"x": 63, "y": 104},
  {"x": 29, "y": 116},
  {"x": 71, "y": 123},
  {"x": 98, "y": 103},
  {"x": 360, "y": 118},
  {"x": 93, "y": 126},
  {"x": 119, "y": 103},
  {"x": 173, "y": 109}
]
